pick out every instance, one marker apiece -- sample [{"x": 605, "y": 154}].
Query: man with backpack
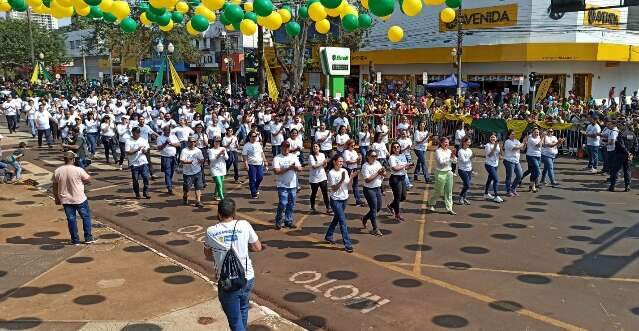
[{"x": 228, "y": 243}]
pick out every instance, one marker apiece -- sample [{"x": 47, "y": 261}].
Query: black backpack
[{"x": 232, "y": 275}]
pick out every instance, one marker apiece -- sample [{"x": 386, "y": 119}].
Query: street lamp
[
  {"x": 228, "y": 62},
  {"x": 170, "y": 49},
  {"x": 41, "y": 56}
]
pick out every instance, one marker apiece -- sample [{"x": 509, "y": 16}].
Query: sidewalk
[{"x": 116, "y": 284}]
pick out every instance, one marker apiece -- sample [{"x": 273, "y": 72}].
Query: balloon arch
[{"x": 235, "y": 14}]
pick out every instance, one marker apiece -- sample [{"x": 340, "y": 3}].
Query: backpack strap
[{"x": 233, "y": 236}]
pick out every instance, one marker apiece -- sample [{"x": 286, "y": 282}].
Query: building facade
[
  {"x": 215, "y": 44},
  {"x": 503, "y": 42},
  {"x": 45, "y": 21},
  {"x": 84, "y": 64}
]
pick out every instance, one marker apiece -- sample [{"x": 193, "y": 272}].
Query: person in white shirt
[
  {"x": 406, "y": 144},
  {"x": 266, "y": 128},
  {"x": 399, "y": 166},
  {"x": 136, "y": 149},
  {"x": 324, "y": 138},
  {"x": 214, "y": 130},
  {"x": 192, "y": 161},
  {"x": 317, "y": 177},
  {"x": 42, "y": 118},
  {"x": 286, "y": 166},
  {"x": 460, "y": 133},
  {"x": 107, "y": 134},
  {"x": 380, "y": 147},
  {"x": 239, "y": 235},
  {"x": 255, "y": 163},
  {"x": 338, "y": 183},
  {"x": 420, "y": 137},
  {"x": 217, "y": 161},
  {"x": 10, "y": 109},
  {"x": 533, "y": 157},
  {"x": 277, "y": 135},
  {"x": 146, "y": 133},
  {"x": 165, "y": 119},
  {"x": 549, "y": 151},
  {"x": 182, "y": 132},
  {"x": 352, "y": 161},
  {"x": 297, "y": 145},
  {"x": 443, "y": 181},
  {"x": 493, "y": 151},
  {"x": 512, "y": 150},
  {"x": 593, "y": 141},
  {"x": 167, "y": 144},
  {"x": 364, "y": 138},
  {"x": 465, "y": 169},
  {"x": 341, "y": 138},
  {"x": 124, "y": 134},
  {"x": 231, "y": 143},
  {"x": 383, "y": 130},
  {"x": 373, "y": 174},
  {"x": 611, "y": 137},
  {"x": 30, "y": 110}
]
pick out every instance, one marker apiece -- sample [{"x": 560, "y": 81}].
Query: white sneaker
[
  {"x": 489, "y": 196},
  {"x": 593, "y": 170},
  {"x": 431, "y": 208},
  {"x": 498, "y": 199},
  {"x": 454, "y": 174}
]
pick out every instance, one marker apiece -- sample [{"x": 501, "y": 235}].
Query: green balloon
[
  {"x": 453, "y": 3},
  {"x": 236, "y": 26},
  {"x": 225, "y": 21},
  {"x": 350, "y": 23},
  {"x": 21, "y": 9},
  {"x": 152, "y": 17},
  {"x": 128, "y": 25},
  {"x": 287, "y": 8},
  {"x": 93, "y": 2},
  {"x": 303, "y": 12},
  {"x": 46, "y": 3},
  {"x": 143, "y": 6},
  {"x": 365, "y": 21},
  {"x": 17, "y": 4},
  {"x": 332, "y": 4},
  {"x": 234, "y": 13},
  {"x": 263, "y": 7},
  {"x": 164, "y": 19},
  {"x": 157, "y": 11},
  {"x": 293, "y": 29},
  {"x": 381, "y": 8},
  {"x": 177, "y": 17},
  {"x": 199, "y": 23},
  {"x": 309, "y": 2},
  {"x": 110, "y": 17},
  {"x": 96, "y": 12},
  {"x": 195, "y": 3},
  {"x": 251, "y": 16}
]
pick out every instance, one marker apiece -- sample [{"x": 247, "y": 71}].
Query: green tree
[{"x": 16, "y": 51}]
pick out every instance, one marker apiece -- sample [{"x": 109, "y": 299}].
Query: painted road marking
[
  {"x": 104, "y": 187},
  {"x": 440, "y": 283},
  {"x": 40, "y": 175},
  {"x": 417, "y": 264},
  {"x": 193, "y": 232},
  {"x": 365, "y": 302}
]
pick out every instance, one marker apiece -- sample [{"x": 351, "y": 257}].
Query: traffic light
[{"x": 565, "y": 6}]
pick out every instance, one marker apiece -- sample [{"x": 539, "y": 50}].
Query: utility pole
[
  {"x": 33, "y": 58},
  {"x": 260, "y": 56},
  {"x": 460, "y": 41}
]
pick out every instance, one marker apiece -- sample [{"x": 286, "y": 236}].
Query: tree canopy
[{"x": 16, "y": 51}]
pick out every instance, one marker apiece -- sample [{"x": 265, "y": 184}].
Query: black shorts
[{"x": 194, "y": 181}]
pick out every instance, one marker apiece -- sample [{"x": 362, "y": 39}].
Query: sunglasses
[{"x": 373, "y": 155}]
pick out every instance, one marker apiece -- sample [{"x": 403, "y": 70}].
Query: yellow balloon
[
  {"x": 248, "y": 27},
  {"x": 411, "y": 7},
  {"x": 236, "y": 2},
  {"x": 437, "y": 2},
  {"x": 248, "y": 6},
  {"x": 191, "y": 31},
  {"x": 59, "y": 12},
  {"x": 316, "y": 11},
  {"x": 229, "y": 27},
  {"x": 213, "y": 4},
  {"x": 79, "y": 4},
  {"x": 447, "y": 15},
  {"x": 385, "y": 18},
  {"x": 32, "y": 3},
  {"x": 182, "y": 7},
  {"x": 105, "y": 5},
  {"x": 336, "y": 11},
  {"x": 365, "y": 3},
  {"x": 144, "y": 20},
  {"x": 169, "y": 3},
  {"x": 323, "y": 26},
  {"x": 349, "y": 9},
  {"x": 395, "y": 34},
  {"x": 4, "y": 6},
  {"x": 167, "y": 27},
  {"x": 156, "y": 3},
  {"x": 83, "y": 11},
  {"x": 120, "y": 9},
  {"x": 285, "y": 14},
  {"x": 64, "y": 3},
  {"x": 273, "y": 21},
  {"x": 202, "y": 10}
]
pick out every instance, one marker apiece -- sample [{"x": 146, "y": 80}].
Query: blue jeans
[
  {"x": 168, "y": 164},
  {"x": 286, "y": 204},
  {"x": 339, "y": 217},
  {"x": 421, "y": 165},
  {"x": 276, "y": 150},
  {"x": 492, "y": 178},
  {"x": 236, "y": 306},
  {"x": 81, "y": 162},
  {"x": 373, "y": 197},
  {"x": 92, "y": 139},
  {"x": 511, "y": 186},
  {"x": 549, "y": 168},
  {"x": 256, "y": 174},
  {"x": 593, "y": 156},
  {"x": 234, "y": 159},
  {"x": 534, "y": 168},
  {"x": 16, "y": 165},
  {"x": 465, "y": 176},
  {"x": 362, "y": 151},
  {"x": 12, "y": 123},
  {"x": 47, "y": 134},
  {"x": 136, "y": 173},
  {"x": 32, "y": 126},
  {"x": 85, "y": 214},
  {"x": 355, "y": 186}
]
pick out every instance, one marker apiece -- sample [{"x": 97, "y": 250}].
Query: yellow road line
[
  {"x": 451, "y": 287},
  {"x": 417, "y": 264},
  {"x": 301, "y": 221}
]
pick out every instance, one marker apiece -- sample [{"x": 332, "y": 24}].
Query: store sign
[
  {"x": 484, "y": 18},
  {"x": 336, "y": 61},
  {"x": 603, "y": 18}
]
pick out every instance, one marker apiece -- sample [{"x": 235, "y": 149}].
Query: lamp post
[
  {"x": 228, "y": 62},
  {"x": 459, "y": 50},
  {"x": 169, "y": 50}
]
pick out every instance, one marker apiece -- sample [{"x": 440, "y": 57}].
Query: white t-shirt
[
  {"x": 443, "y": 159},
  {"x": 183, "y": 133},
  {"x": 380, "y": 149},
  {"x": 92, "y": 126},
  {"x": 370, "y": 169},
  {"x": 350, "y": 156},
  {"x": 341, "y": 139},
  {"x": 297, "y": 144},
  {"x": 169, "y": 150},
  {"x": 511, "y": 155},
  {"x": 593, "y": 129},
  {"x": 318, "y": 174},
  {"x": 364, "y": 139},
  {"x": 220, "y": 237},
  {"x": 612, "y": 135},
  {"x": 405, "y": 143},
  {"x": 464, "y": 159},
  {"x": 493, "y": 160},
  {"x": 383, "y": 129},
  {"x": 327, "y": 144},
  {"x": 397, "y": 160},
  {"x": 550, "y": 151},
  {"x": 124, "y": 132},
  {"x": 334, "y": 176},
  {"x": 214, "y": 131},
  {"x": 106, "y": 130},
  {"x": 532, "y": 149},
  {"x": 289, "y": 178},
  {"x": 42, "y": 120},
  {"x": 276, "y": 139},
  {"x": 419, "y": 136},
  {"x": 459, "y": 135},
  {"x": 253, "y": 153},
  {"x": 139, "y": 158},
  {"x": 192, "y": 156},
  {"x": 230, "y": 143},
  {"x": 218, "y": 162}
]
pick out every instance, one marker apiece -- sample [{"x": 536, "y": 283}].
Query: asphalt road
[{"x": 563, "y": 258}]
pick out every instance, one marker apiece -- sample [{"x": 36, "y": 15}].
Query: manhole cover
[{"x": 205, "y": 320}]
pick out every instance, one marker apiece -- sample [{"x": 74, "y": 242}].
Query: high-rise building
[{"x": 45, "y": 21}]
